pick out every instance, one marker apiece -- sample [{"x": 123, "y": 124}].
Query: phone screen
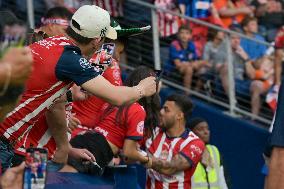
[
  {"x": 35, "y": 171},
  {"x": 106, "y": 53}
]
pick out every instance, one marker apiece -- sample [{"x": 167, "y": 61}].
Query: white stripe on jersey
[
  {"x": 108, "y": 8},
  {"x": 152, "y": 183},
  {"x": 181, "y": 180},
  {"x": 173, "y": 144},
  {"x": 33, "y": 98},
  {"x": 149, "y": 141},
  {"x": 44, "y": 139},
  {"x": 33, "y": 114},
  {"x": 165, "y": 185},
  {"x": 160, "y": 147}
]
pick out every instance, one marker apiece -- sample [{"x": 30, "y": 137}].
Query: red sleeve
[
  {"x": 135, "y": 122},
  {"x": 113, "y": 74},
  {"x": 279, "y": 40},
  {"x": 193, "y": 151}
]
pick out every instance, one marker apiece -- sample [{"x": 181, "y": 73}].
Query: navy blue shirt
[{"x": 71, "y": 66}]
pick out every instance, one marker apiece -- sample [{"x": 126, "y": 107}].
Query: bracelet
[
  {"x": 7, "y": 80},
  {"x": 139, "y": 91},
  {"x": 69, "y": 96}
]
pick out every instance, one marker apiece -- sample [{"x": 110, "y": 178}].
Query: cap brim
[
  {"x": 111, "y": 33},
  {"x": 129, "y": 32}
]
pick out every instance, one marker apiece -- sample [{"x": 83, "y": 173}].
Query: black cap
[{"x": 195, "y": 121}]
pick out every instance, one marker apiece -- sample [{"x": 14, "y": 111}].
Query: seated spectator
[
  {"x": 203, "y": 10},
  {"x": 270, "y": 16},
  {"x": 252, "y": 48},
  {"x": 232, "y": 12},
  {"x": 250, "y": 78},
  {"x": 183, "y": 57},
  {"x": 215, "y": 53}
]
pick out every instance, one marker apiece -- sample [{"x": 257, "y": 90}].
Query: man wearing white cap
[{"x": 58, "y": 63}]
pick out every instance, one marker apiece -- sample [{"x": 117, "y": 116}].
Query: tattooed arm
[
  {"x": 178, "y": 163},
  {"x": 185, "y": 159}
]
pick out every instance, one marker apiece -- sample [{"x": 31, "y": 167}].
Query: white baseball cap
[{"x": 93, "y": 22}]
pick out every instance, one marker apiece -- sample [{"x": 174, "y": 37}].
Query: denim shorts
[{"x": 6, "y": 155}]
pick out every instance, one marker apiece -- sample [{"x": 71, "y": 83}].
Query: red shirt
[
  {"x": 87, "y": 110},
  {"x": 131, "y": 129},
  {"x": 40, "y": 137},
  {"x": 279, "y": 40},
  {"x": 164, "y": 147},
  {"x": 42, "y": 88}
]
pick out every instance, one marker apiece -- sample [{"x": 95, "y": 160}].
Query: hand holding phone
[
  {"x": 103, "y": 59},
  {"x": 35, "y": 171}
]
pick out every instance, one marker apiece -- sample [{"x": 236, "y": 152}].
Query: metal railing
[{"x": 234, "y": 110}]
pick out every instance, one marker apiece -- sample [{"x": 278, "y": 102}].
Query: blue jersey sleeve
[
  {"x": 71, "y": 66},
  {"x": 174, "y": 53},
  {"x": 193, "y": 50}
]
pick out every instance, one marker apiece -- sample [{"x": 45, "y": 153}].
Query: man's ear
[{"x": 180, "y": 115}]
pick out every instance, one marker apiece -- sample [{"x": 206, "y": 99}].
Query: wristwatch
[{"x": 69, "y": 96}]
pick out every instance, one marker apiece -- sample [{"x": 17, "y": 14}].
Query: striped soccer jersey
[{"x": 165, "y": 148}]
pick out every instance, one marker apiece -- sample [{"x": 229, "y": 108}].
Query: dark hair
[
  {"x": 97, "y": 145},
  {"x": 184, "y": 27},
  {"x": 122, "y": 40},
  {"x": 212, "y": 33},
  {"x": 78, "y": 38},
  {"x": 150, "y": 104},
  {"x": 247, "y": 20},
  {"x": 60, "y": 12},
  {"x": 195, "y": 121},
  {"x": 183, "y": 102}
]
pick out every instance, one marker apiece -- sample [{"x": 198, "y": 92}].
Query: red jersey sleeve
[
  {"x": 192, "y": 152},
  {"x": 135, "y": 122}
]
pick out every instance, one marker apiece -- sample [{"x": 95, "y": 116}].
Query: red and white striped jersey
[
  {"x": 165, "y": 148},
  {"x": 168, "y": 23},
  {"x": 40, "y": 137},
  {"x": 86, "y": 111},
  {"x": 42, "y": 88},
  {"x": 114, "y": 7}
]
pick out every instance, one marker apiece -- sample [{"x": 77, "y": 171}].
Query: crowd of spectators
[{"x": 253, "y": 62}]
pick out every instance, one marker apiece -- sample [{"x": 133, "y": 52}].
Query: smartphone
[
  {"x": 159, "y": 74},
  {"x": 35, "y": 171},
  {"x": 103, "y": 59}
]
